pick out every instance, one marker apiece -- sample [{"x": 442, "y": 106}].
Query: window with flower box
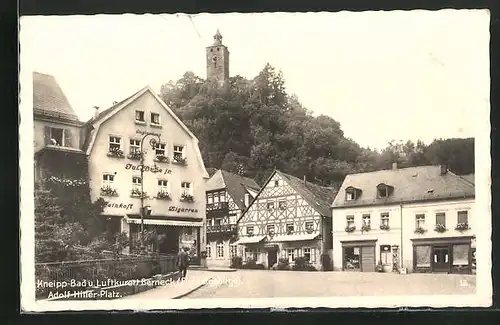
[
  {"x": 349, "y": 223},
  {"x": 139, "y": 117},
  {"x": 136, "y": 186},
  {"x": 115, "y": 144},
  {"x": 384, "y": 221},
  {"x": 179, "y": 155},
  {"x": 134, "y": 149},
  {"x": 366, "y": 222},
  {"x": 108, "y": 184},
  {"x": 186, "y": 191},
  {"x": 463, "y": 217},
  {"x": 163, "y": 189},
  {"x": 419, "y": 221}
]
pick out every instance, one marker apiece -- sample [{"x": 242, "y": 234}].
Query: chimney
[
  {"x": 247, "y": 200},
  {"x": 96, "y": 112},
  {"x": 394, "y": 166},
  {"x": 444, "y": 169},
  {"x": 305, "y": 179}
]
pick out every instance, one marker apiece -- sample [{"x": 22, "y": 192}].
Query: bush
[
  {"x": 283, "y": 264},
  {"x": 302, "y": 264},
  {"x": 236, "y": 262},
  {"x": 326, "y": 262},
  {"x": 252, "y": 265}
]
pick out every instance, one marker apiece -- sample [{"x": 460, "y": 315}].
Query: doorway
[
  {"x": 441, "y": 259},
  {"x": 272, "y": 257},
  {"x": 170, "y": 242}
]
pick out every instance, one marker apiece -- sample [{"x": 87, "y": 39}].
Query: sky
[{"x": 383, "y": 75}]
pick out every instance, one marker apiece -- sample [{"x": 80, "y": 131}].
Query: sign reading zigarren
[
  {"x": 153, "y": 169},
  {"x": 178, "y": 209}
]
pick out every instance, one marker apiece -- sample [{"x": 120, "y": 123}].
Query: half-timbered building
[
  {"x": 289, "y": 218},
  {"x": 228, "y": 195}
]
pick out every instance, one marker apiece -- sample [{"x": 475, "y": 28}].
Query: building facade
[
  {"x": 289, "y": 218},
  {"x": 228, "y": 195},
  {"x": 171, "y": 188},
  {"x": 420, "y": 219},
  {"x": 57, "y": 131}
]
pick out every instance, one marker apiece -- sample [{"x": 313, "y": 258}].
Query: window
[
  {"x": 162, "y": 186},
  {"x": 222, "y": 196},
  {"x": 350, "y": 196},
  {"x": 135, "y": 145},
  {"x": 461, "y": 255},
  {"x": 108, "y": 180},
  {"x": 220, "y": 249},
  {"x": 309, "y": 226},
  {"x": 114, "y": 143},
  {"x": 276, "y": 183},
  {"x": 160, "y": 149},
  {"x": 366, "y": 220},
  {"x": 155, "y": 118},
  {"x": 384, "y": 220},
  {"x": 462, "y": 217},
  {"x": 423, "y": 256},
  {"x": 136, "y": 183},
  {"x": 249, "y": 230},
  {"x": 189, "y": 231},
  {"x": 385, "y": 254},
  {"x": 290, "y": 254},
  {"x": 178, "y": 152},
  {"x": 270, "y": 229},
  {"x": 186, "y": 188},
  {"x": 349, "y": 221},
  {"x": 209, "y": 251},
  {"x": 209, "y": 198},
  {"x": 139, "y": 116},
  {"x": 218, "y": 222},
  {"x": 270, "y": 205},
  {"x": 233, "y": 250},
  {"x": 57, "y": 136},
  {"x": 419, "y": 221},
  {"x": 307, "y": 254},
  {"x": 216, "y": 197},
  {"x": 282, "y": 204},
  {"x": 351, "y": 258},
  {"x": 441, "y": 218},
  {"x": 289, "y": 228}
]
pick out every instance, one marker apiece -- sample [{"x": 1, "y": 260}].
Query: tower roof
[{"x": 218, "y": 38}]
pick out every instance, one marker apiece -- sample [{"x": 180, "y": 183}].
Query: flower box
[
  {"x": 289, "y": 232},
  {"x": 440, "y": 227},
  {"x": 116, "y": 153},
  {"x": 365, "y": 228},
  {"x": 350, "y": 228},
  {"x": 163, "y": 195},
  {"x": 187, "y": 198},
  {"x": 135, "y": 155},
  {"x": 161, "y": 158},
  {"x": 309, "y": 230},
  {"x": 384, "y": 227},
  {"x": 462, "y": 226},
  {"x": 137, "y": 193},
  {"x": 108, "y": 191},
  {"x": 179, "y": 160},
  {"x": 420, "y": 230}
]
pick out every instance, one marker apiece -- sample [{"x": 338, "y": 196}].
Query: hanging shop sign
[{"x": 153, "y": 169}]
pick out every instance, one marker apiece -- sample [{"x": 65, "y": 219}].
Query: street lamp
[{"x": 145, "y": 210}]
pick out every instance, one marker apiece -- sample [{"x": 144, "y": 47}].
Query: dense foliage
[{"x": 252, "y": 127}]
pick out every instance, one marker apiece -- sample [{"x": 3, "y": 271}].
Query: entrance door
[
  {"x": 368, "y": 259},
  {"x": 170, "y": 243},
  {"x": 272, "y": 257},
  {"x": 441, "y": 259}
]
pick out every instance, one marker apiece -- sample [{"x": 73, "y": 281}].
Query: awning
[
  {"x": 293, "y": 237},
  {"x": 166, "y": 222},
  {"x": 249, "y": 240}
]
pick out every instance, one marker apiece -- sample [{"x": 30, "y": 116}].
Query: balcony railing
[
  {"x": 221, "y": 228},
  {"x": 216, "y": 206}
]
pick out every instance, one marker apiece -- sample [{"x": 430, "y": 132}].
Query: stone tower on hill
[{"x": 218, "y": 60}]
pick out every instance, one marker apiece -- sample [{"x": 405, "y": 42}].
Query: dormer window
[
  {"x": 384, "y": 190},
  {"x": 351, "y": 193}
]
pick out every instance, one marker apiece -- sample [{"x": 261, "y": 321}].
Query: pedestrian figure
[{"x": 183, "y": 262}]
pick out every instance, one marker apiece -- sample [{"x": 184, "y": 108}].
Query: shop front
[
  {"x": 358, "y": 256},
  {"x": 443, "y": 255}
]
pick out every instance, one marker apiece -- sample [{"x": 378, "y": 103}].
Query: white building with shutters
[{"x": 420, "y": 219}]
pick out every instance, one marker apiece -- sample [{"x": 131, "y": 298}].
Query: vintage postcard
[{"x": 272, "y": 160}]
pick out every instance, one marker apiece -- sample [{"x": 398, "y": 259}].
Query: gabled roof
[
  {"x": 319, "y": 197},
  {"x": 94, "y": 123},
  {"x": 234, "y": 184},
  {"x": 49, "y": 99},
  {"x": 410, "y": 185}
]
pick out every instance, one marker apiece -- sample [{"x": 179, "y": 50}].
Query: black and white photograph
[{"x": 265, "y": 160}]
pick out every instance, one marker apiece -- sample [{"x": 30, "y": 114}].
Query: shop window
[
  {"x": 385, "y": 254},
  {"x": 423, "y": 256},
  {"x": 220, "y": 249},
  {"x": 351, "y": 258},
  {"x": 461, "y": 255},
  {"x": 309, "y": 254}
]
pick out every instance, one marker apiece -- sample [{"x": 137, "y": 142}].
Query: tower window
[
  {"x": 217, "y": 49},
  {"x": 211, "y": 50}
]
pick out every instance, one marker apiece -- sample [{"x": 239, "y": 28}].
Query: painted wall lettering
[
  {"x": 153, "y": 169},
  {"x": 178, "y": 210},
  {"x": 146, "y": 132},
  {"x": 120, "y": 206}
]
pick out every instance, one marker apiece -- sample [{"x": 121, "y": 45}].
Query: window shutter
[
  {"x": 46, "y": 134},
  {"x": 68, "y": 138}
]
